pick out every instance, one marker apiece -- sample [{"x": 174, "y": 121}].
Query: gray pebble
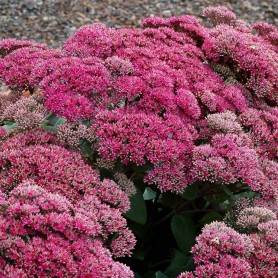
[
  {"x": 167, "y": 13},
  {"x": 52, "y": 22}
]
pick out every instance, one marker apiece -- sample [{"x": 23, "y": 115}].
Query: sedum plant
[{"x": 142, "y": 137}]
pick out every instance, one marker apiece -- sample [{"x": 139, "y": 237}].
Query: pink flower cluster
[
  {"x": 43, "y": 234},
  {"x": 251, "y": 55},
  {"x": 71, "y": 86},
  {"x": 9, "y": 45},
  {"x": 136, "y": 138},
  {"x": 221, "y": 251},
  {"x": 57, "y": 217},
  {"x": 16, "y": 67},
  {"x": 233, "y": 158}
]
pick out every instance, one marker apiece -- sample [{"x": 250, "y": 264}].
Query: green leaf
[
  {"x": 142, "y": 168},
  {"x": 248, "y": 194},
  {"x": 44, "y": 123},
  {"x": 141, "y": 231},
  {"x": 227, "y": 190},
  {"x": 228, "y": 206},
  {"x": 210, "y": 217},
  {"x": 86, "y": 148},
  {"x": 60, "y": 121},
  {"x": 53, "y": 119},
  {"x": 184, "y": 232},
  {"x": 8, "y": 123},
  {"x": 217, "y": 196},
  {"x": 139, "y": 254},
  {"x": 149, "y": 194},
  {"x": 179, "y": 263},
  {"x": 50, "y": 128},
  {"x": 10, "y": 127},
  {"x": 51, "y": 116},
  {"x": 160, "y": 274},
  {"x": 138, "y": 211},
  {"x": 190, "y": 192},
  {"x": 149, "y": 274}
]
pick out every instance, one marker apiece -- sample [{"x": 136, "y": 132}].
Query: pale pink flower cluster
[
  {"x": 251, "y": 217},
  {"x": 7, "y": 99},
  {"x": 231, "y": 158},
  {"x": 224, "y": 122},
  {"x": 126, "y": 184},
  {"x": 119, "y": 66},
  {"x": 71, "y": 133},
  {"x": 26, "y": 112},
  {"x": 43, "y": 234},
  {"x": 219, "y": 15},
  {"x": 221, "y": 251}
]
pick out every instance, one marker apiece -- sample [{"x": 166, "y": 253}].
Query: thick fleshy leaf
[
  {"x": 190, "y": 192},
  {"x": 179, "y": 263},
  {"x": 160, "y": 274},
  {"x": 149, "y": 194},
  {"x": 184, "y": 231},
  {"x": 137, "y": 212}
]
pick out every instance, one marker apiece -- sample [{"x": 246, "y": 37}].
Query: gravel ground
[{"x": 51, "y": 22}]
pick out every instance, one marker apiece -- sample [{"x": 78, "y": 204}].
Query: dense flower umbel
[
  {"x": 221, "y": 251},
  {"x": 250, "y": 53},
  {"x": 231, "y": 159},
  {"x": 9, "y": 45},
  {"x": 43, "y": 234},
  {"x": 26, "y": 112},
  {"x": 72, "y": 86},
  {"x": 3, "y": 132},
  {"x": 28, "y": 138},
  {"x": 70, "y": 133},
  {"x": 217, "y": 238},
  {"x": 17, "y": 65},
  {"x": 138, "y": 138}
]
